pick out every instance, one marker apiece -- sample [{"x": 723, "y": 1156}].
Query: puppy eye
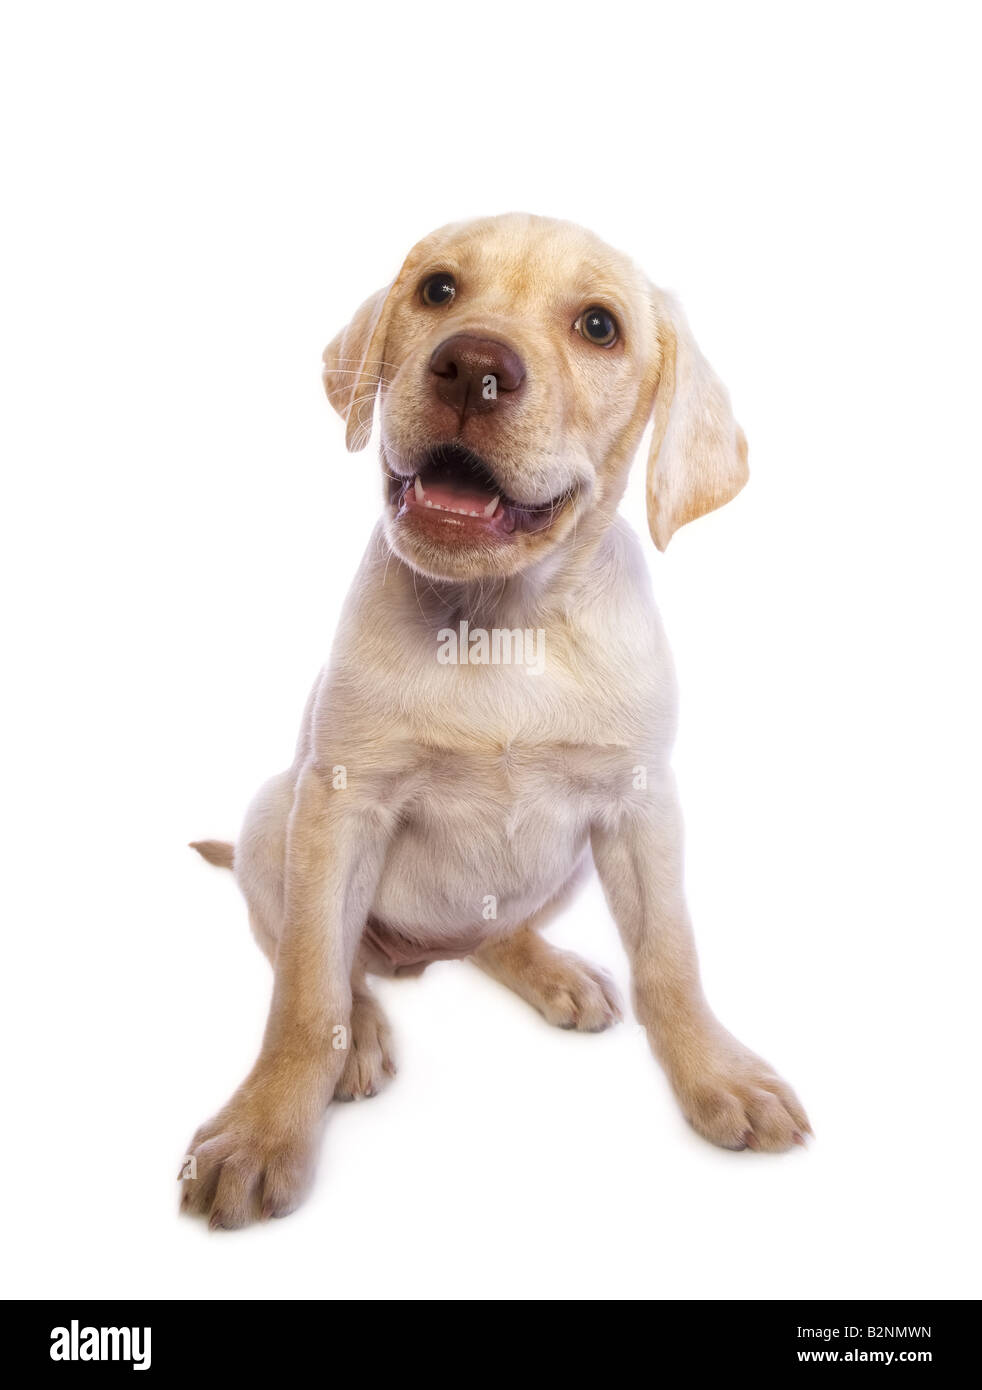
[
  {"x": 597, "y": 326},
  {"x": 438, "y": 289}
]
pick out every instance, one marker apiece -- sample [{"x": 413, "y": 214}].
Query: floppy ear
[
  {"x": 353, "y": 365},
  {"x": 698, "y": 455}
]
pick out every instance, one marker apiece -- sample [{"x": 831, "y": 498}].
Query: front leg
[
  {"x": 728, "y": 1094},
  {"x": 255, "y": 1158}
]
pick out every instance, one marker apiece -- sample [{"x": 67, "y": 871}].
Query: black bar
[{"x": 189, "y": 1339}]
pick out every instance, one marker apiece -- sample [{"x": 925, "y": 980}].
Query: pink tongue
[{"x": 458, "y": 498}]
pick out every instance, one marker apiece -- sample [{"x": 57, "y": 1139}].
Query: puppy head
[{"x": 517, "y": 361}]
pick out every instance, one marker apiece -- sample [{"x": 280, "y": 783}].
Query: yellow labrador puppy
[{"x": 500, "y": 703}]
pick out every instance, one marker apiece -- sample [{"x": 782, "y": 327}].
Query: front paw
[
  {"x": 248, "y": 1163},
  {"x": 734, "y": 1099}
]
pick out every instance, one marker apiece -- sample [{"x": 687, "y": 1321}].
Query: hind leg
[
  {"x": 368, "y": 1065},
  {"x": 566, "y": 990}
]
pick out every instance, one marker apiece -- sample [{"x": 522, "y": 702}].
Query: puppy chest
[{"x": 503, "y": 806}]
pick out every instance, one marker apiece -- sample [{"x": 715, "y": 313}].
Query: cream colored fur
[{"x": 464, "y": 782}]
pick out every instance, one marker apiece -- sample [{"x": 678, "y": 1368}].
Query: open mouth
[{"x": 455, "y": 487}]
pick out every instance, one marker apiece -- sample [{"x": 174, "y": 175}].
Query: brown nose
[{"x": 469, "y": 373}]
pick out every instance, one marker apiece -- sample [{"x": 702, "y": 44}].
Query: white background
[{"x": 197, "y": 196}]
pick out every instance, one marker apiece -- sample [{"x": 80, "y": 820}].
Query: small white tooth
[
  {"x": 420, "y": 495},
  {"x": 492, "y": 506},
  {"x": 429, "y": 503},
  {"x": 473, "y": 513}
]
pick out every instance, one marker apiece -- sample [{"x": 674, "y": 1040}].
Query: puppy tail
[{"x": 217, "y": 852}]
